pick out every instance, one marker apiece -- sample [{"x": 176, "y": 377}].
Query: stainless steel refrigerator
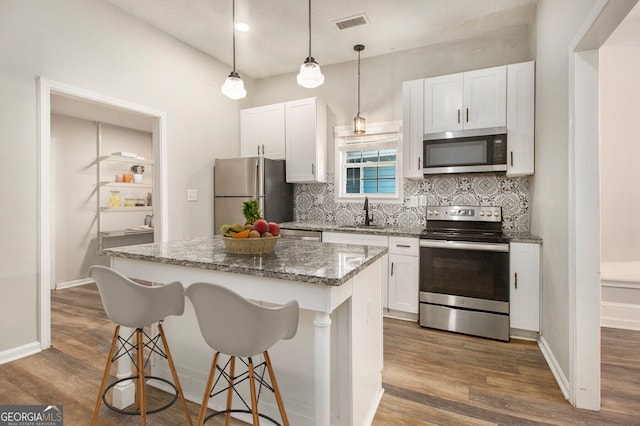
[{"x": 236, "y": 180}]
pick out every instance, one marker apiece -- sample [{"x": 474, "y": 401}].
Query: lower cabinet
[
  {"x": 403, "y": 274},
  {"x": 524, "y": 293},
  {"x": 400, "y": 271}
]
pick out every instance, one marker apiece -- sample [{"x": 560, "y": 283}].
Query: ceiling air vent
[{"x": 352, "y": 21}]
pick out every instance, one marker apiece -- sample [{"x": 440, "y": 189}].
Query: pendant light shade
[
  {"x": 359, "y": 122},
  {"x": 233, "y": 86},
  {"x": 310, "y": 75}
]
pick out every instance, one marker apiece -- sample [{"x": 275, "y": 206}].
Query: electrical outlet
[{"x": 192, "y": 195}]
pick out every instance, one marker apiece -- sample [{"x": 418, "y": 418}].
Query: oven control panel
[{"x": 465, "y": 213}]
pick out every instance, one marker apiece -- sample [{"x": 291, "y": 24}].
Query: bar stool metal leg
[{"x": 105, "y": 376}]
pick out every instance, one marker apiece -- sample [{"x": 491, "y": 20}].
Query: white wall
[
  {"x": 92, "y": 45},
  {"x": 619, "y": 153},
  {"x": 556, "y": 25}
]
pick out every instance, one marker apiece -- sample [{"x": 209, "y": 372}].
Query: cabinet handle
[
  {"x": 391, "y": 268},
  {"x": 403, "y": 245},
  {"x": 458, "y": 115},
  {"x": 262, "y": 149},
  {"x": 258, "y": 150},
  {"x": 511, "y": 158},
  {"x": 419, "y": 163},
  {"x": 313, "y": 169},
  {"x": 515, "y": 280},
  {"x": 467, "y": 115}
]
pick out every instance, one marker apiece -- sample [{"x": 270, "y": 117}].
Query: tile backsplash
[{"x": 316, "y": 202}]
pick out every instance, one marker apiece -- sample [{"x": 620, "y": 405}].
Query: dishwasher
[{"x": 299, "y": 234}]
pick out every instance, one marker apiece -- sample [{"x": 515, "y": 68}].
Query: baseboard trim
[
  {"x": 557, "y": 372},
  {"x": 620, "y": 315},
  {"x": 73, "y": 283},
  {"x": 19, "y": 352}
]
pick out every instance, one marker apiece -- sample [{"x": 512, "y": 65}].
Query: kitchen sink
[{"x": 363, "y": 226}]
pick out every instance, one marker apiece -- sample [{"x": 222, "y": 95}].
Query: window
[{"x": 368, "y": 165}]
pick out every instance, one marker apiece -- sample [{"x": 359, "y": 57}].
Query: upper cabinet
[
  {"x": 520, "y": 118},
  {"x": 306, "y": 140},
  {"x": 262, "y": 131},
  {"x": 501, "y": 96},
  {"x": 470, "y": 100},
  {"x": 412, "y": 127}
]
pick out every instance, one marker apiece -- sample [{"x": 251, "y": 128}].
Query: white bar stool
[
  {"x": 235, "y": 326},
  {"x": 130, "y": 304}
]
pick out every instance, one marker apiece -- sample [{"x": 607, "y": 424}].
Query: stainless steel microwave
[{"x": 465, "y": 151}]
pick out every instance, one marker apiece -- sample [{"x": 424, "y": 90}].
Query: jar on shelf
[
  {"x": 140, "y": 202},
  {"x": 149, "y": 200},
  {"x": 114, "y": 199},
  {"x": 129, "y": 202}
]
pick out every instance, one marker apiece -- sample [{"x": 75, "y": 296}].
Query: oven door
[
  {"x": 466, "y": 269},
  {"x": 464, "y": 287}
]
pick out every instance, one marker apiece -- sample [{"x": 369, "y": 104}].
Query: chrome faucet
[{"x": 367, "y": 219}]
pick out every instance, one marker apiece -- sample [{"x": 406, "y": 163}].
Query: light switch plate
[{"x": 192, "y": 195}]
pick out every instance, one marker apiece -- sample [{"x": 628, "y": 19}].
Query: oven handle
[{"x": 464, "y": 245}]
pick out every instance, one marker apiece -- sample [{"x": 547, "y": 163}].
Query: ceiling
[
  {"x": 278, "y": 43},
  {"x": 628, "y": 32}
]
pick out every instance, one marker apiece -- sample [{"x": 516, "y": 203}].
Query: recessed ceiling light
[{"x": 241, "y": 26}]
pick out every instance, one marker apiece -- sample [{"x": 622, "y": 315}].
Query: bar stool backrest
[
  {"x": 130, "y": 304},
  {"x": 235, "y": 326}
]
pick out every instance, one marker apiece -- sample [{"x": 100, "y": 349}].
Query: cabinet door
[
  {"x": 403, "y": 283},
  {"x": 485, "y": 98},
  {"x": 524, "y": 286},
  {"x": 520, "y": 118},
  {"x": 412, "y": 127},
  {"x": 273, "y": 131},
  {"x": 443, "y": 103},
  {"x": 250, "y": 131},
  {"x": 306, "y": 136}
]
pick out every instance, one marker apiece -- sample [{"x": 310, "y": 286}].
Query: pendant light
[
  {"x": 310, "y": 75},
  {"x": 359, "y": 122},
  {"x": 233, "y": 86}
]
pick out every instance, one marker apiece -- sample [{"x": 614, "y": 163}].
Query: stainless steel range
[{"x": 464, "y": 271}]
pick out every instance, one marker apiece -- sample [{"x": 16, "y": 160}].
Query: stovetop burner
[{"x": 464, "y": 223}]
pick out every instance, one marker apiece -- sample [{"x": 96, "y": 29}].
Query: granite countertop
[
  {"x": 293, "y": 260},
  {"x": 396, "y": 231}
]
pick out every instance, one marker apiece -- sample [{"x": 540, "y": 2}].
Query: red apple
[
  {"x": 261, "y": 226},
  {"x": 274, "y": 228}
]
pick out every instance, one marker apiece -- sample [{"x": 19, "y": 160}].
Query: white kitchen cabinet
[
  {"x": 412, "y": 127},
  {"x": 262, "y": 131},
  {"x": 443, "y": 99},
  {"x": 524, "y": 293},
  {"x": 520, "y": 118},
  {"x": 306, "y": 140},
  {"x": 403, "y": 287},
  {"x": 470, "y": 100}
]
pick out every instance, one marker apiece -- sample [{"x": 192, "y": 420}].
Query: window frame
[{"x": 378, "y": 136}]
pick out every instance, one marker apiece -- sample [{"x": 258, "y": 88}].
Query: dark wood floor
[{"x": 430, "y": 377}]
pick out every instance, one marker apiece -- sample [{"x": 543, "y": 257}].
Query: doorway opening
[{"x": 95, "y": 107}]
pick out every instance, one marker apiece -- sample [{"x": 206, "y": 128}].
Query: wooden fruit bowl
[{"x": 250, "y": 245}]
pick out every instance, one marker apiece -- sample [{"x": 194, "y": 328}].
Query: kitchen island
[{"x": 331, "y": 371}]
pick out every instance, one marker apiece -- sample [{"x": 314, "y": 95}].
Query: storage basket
[{"x": 250, "y": 245}]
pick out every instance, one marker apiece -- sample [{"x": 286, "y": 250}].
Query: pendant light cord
[
  {"x": 233, "y": 17},
  {"x": 358, "y": 82},
  {"x": 309, "y": 28}
]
